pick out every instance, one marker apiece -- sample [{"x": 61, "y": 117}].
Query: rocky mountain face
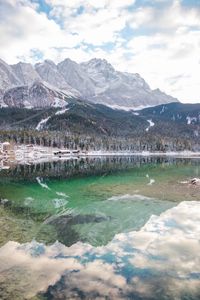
[
  {"x": 8, "y": 78},
  {"x": 96, "y": 81},
  {"x": 37, "y": 95},
  {"x": 76, "y": 76},
  {"x": 25, "y": 73},
  {"x": 48, "y": 72},
  {"x": 121, "y": 89}
]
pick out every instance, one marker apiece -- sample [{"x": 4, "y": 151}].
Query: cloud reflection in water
[{"x": 161, "y": 261}]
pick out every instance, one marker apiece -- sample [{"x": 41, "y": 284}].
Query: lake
[{"x": 100, "y": 228}]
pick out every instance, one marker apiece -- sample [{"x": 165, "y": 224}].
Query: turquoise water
[{"x": 100, "y": 228}]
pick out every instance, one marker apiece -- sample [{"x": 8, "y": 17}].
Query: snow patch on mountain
[
  {"x": 61, "y": 112},
  {"x": 59, "y": 102},
  {"x": 151, "y": 124},
  {"x": 28, "y": 105},
  {"x": 191, "y": 120},
  {"x": 162, "y": 110},
  {"x": 132, "y": 108},
  {"x": 42, "y": 123},
  {"x": 3, "y": 105}
]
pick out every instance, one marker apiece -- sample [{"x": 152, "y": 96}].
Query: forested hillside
[{"x": 171, "y": 127}]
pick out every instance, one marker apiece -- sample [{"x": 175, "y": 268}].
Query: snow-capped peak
[
  {"x": 99, "y": 64},
  {"x": 8, "y": 78},
  {"x": 96, "y": 81},
  {"x": 25, "y": 72}
]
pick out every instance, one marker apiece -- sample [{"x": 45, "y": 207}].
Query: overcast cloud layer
[{"x": 160, "y": 39}]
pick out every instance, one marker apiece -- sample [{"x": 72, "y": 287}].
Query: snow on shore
[
  {"x": 144, "y": 153},
  {"x": 28, "y": 154}
]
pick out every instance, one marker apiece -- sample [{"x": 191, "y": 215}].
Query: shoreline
[
  {"x": 146, "y": 153},
  {"x": 31, "y": 154}
]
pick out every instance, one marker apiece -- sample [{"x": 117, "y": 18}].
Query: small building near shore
[
  {"x": 7, "y": 149},
  {"x": 63, "y": 152}
]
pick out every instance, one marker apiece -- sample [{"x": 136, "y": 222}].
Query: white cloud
[
  {"x": 171, "y": 52},
  {"x": 169, "y": 18},
  {"x": 163, "y": 46},
  {"x": 24, "y": 29},
  {"x": 92, "y": 3},
  {"x": 101, "y": 21}
]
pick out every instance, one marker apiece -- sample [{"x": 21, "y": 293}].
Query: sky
[{"x": 159, "y": 39}]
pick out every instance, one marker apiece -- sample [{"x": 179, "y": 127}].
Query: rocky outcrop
[
  {"x": 95, "y": 80},
  {"x": 38, "y": 95},
  {"x": 8, "y": 78}
]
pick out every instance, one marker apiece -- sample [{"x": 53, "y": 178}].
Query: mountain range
[
  {"x": 92, "y": 101},
  {"x": 47, "y": 84}
]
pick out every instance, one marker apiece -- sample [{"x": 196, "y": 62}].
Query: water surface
[{"x": 100, "y": 228}]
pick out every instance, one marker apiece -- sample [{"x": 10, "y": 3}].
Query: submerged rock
[
  {"x": 5, "y": 202},
  {"x": 64, "y": 226},
  {"x": 77, "y": 219},
  {"x": 195, "y": 181}
]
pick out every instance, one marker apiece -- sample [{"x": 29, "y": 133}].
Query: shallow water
[{"x": 100, "y": 228}]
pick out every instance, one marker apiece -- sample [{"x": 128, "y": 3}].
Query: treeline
[{"x": 96, "y": 143}]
